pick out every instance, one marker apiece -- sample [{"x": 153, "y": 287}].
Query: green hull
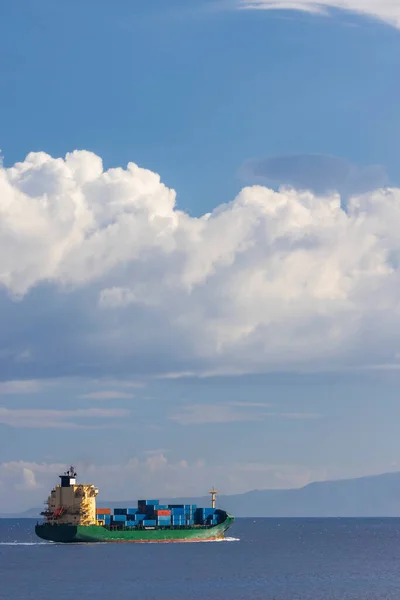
[{"x": 97, "y": 533}]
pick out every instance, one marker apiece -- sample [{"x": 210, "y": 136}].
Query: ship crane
[{"x": 213, "y": 493}]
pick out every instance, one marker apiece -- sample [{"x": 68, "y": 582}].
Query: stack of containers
[
  {"x": 190, "y": 511},
  {"x": 183, "y": 514},
  {"x": 206, "y": 516},
  {"x": 131, "y": 517},
  {"x": 163, "y": 516},
  {"x": 150, "y": 513},
  {"x": 148, "y": 509},
  {"x": 104, "y": 514},
  {"x": 177, "y": 515}
]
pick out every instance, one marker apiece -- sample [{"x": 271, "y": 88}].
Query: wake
[
  {"x": 24, "y": 543},
  {"x": 227, "y": 539}
]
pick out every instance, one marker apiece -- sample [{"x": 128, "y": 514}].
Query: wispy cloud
[
  {"x": 235, "y": 412},
  {"x": 252, "y": 404},
  {"x": 109, "y": 383},
  {"x": 384, "y": 10},
  {"x": 322, "y": 174},
  {"x": 65, "y": 419},
  {"x": 29, "y": 386},
  {"x": 300, "y": 416},
  {"x": 199, "y": 414},
  {"x": 107, "y": 395}
]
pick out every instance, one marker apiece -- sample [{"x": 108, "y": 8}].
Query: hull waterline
[{"x": 98, "y": 534}]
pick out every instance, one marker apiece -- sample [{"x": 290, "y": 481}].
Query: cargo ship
[{"x": 71, "y": 516}]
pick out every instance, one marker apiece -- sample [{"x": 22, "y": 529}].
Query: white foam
[{"x": 23, "y": 543}]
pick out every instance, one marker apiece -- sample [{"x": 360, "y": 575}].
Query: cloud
[
  {"x": 102, "y": 276},
  {"x": 23, "y": 484},
  {"x": 200, "y": 414},
  {"x": 316, "y": 172},
  {"x": 234, "y": 412},
  {"x": 384, "y": 10},
  {"x": 107, "y": 395},
  {"x": 65, "y": 419},
  {"x": 29, "y": 480},
  {"x": 300, "y": 416},
  {"x": 20, "y": 387}
]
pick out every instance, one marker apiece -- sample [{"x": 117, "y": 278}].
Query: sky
[{"x": 199, "y": 252}]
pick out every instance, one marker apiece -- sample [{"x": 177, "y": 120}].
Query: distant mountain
[
  {"x": 375, "y": 496},
  {"x": 32, "y": 513}
]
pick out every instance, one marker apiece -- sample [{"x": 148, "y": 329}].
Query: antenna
[{"x": 213, "y": 493}]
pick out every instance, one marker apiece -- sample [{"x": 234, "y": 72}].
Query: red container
[
  {"x": 163, "y": 513},
  {"x": 103, "y": 511}
]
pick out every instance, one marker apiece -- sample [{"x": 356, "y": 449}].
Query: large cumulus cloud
[
  {"x": 100, "y": 273},
  {"x": 385, "y": 10}
]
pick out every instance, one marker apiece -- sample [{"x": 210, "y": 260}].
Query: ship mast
[{"x": 213, "y": 493}]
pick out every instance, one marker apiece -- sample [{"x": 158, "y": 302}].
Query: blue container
[
  {"x": 176, "y": 506},
  {"x": 149, "y": 523},
  {"x": 119, "y": 518},
  {"x": 131, "y": 523},
  {"x": 147, "y": 502},
  {"x": 140, "y": 516},
  {"x": 120, "y": 511},
  {"x": 131, "y": 511},
  {"x": 105, "y": 518},
  {"x": 178, "y": 511}
]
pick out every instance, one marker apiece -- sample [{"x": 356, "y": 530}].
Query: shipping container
[
  {"x": 140, "y": 516},
  {"x": 120, "y": 511},
  {"x": 149, "y": 523},
  {"x": 131, "y": 523},
  {"x": 178, "y": 511},
  {"x": 119, "y": 518},
  {"x": 147, "y": 502},
  {"x": 131, "y": 511},
  {"x": 103, "y": 511},
  {"x": 163, "y": 513}
]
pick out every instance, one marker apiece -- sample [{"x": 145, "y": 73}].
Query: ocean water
[{"x": 264, "y": 559}]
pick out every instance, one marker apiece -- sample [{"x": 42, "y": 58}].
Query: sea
[{"x": 263, "y": 559}]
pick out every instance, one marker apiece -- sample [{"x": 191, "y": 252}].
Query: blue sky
[{"x": 257, "y": 347}]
